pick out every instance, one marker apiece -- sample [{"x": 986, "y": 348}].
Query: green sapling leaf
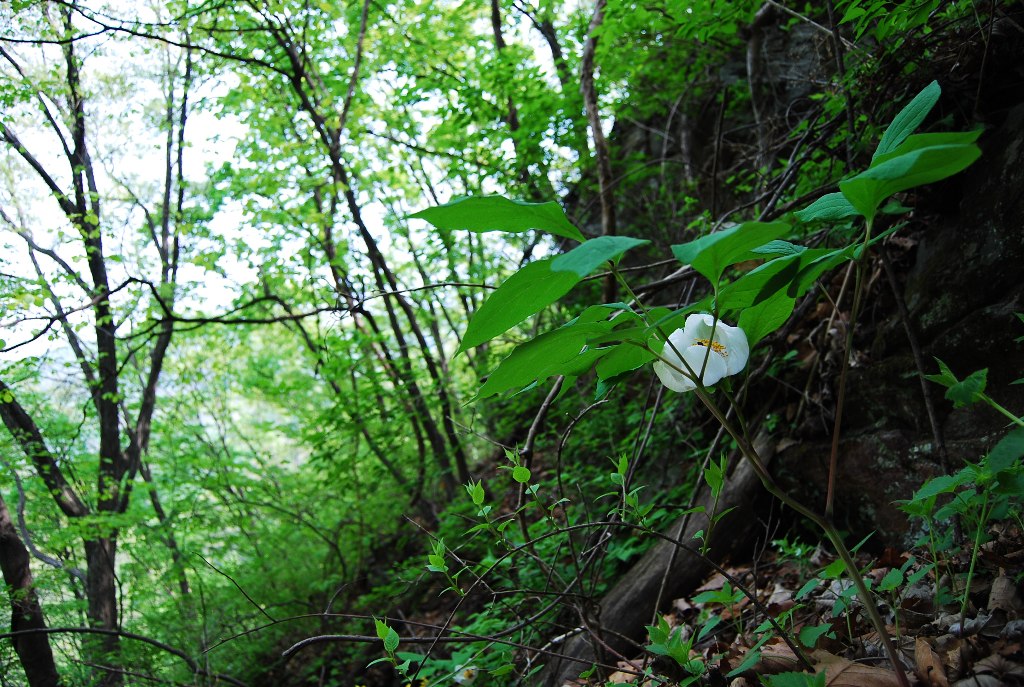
[
  {"x": 391, "y": 640},
  {"x": 810, "y": 634},
  {"x": 892, "y": 580},
  {"x": 521, "y": 474}
]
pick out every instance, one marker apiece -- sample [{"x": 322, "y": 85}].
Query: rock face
[{"x": 962, "y": 291}]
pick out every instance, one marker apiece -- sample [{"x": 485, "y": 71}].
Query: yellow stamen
[{"x": 713, "y": 345}]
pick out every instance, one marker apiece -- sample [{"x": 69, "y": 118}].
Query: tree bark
[
  {"x": 26, "y": 613},
  {"x": 604, "y": 166}
]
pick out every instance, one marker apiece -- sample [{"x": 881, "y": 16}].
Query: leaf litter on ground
[{"x": 939, "y": 648}]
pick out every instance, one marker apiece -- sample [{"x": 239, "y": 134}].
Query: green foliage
[
  {"x": 309, "y": 398},
  {"x": 538, "y": 285},
  {"x": 712, "y": 254},
  {"x": 496, "y": 213},
  {"x": 676, "y": 644}
]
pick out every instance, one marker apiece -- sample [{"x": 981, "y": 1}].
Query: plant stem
[
  {"x": 826, "y": 526},
  {"x": 833, "y": 463},
  {"x": 974, "y": 559},
  {"x": 1004, "y": 411}
]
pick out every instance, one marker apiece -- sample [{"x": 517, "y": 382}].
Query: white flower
[
  {"x": 726, "y": 353},
  {"x": 464, "y": 675}
]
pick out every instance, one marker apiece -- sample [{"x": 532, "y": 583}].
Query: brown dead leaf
[
  {"x": 777, "y": 658},
  {"x": 840, "y": 672},
  {"x": 712, "y": 584},
  {"x": 929, "y": 665},
  {"x": 623, "y": 677},
  {"x": 1004, "y": 595}
]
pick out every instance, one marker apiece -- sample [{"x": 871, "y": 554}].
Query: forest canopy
[{"x": 511, "y": 343}]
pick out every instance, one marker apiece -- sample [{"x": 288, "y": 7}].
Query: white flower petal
[
  {"x": 735, "y": 341},
  {"x": 465, "y": 675},
  {"x": 726, "y": 352},
  {"x": 714, "y": 369},
  {"x": 671, "y": 378}
]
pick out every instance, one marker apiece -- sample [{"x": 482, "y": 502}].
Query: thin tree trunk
[
  {"x": 601, "y": 152},
  {"x": 26, "y": 613}
]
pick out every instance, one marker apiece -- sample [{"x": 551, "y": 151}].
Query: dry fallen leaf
[
  {"x": 929, "y": 665},
  {"x": 1004, "y": 595},
  {"x": 777, "y": 658},
  {"x": 840, "y": 672}
]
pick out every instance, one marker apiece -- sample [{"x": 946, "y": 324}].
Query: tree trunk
[
  {"x": 101, "y": 590},
  {"x": 26, "y": 614}
]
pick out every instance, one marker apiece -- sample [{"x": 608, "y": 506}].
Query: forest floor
[{"x": 946, "y": 638}]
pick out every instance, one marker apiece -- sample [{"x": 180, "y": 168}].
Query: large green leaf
[
  {"x": 584, "y": 259},
  {"x": 1009, "y": 449},
  {"x": 920, "y": 141},
  {"x": 552, "y": 353},
  {"x": 623, "y": 358},
  {"x": 909, "y": 118},
  {"x": 497, "y": 213},
  {"x": 764, "y": 318},
  {"x": 831, "y": 207},
  {"x": 766, "y": 280},
  {"x": 712, "y": 254},
  {"x": 526, "y": 292},
  {"x": 538, "y": 285},
  {"x": 867, "y": 190}
]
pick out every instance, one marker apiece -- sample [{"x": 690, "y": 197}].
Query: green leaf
[
  {"x": 943, "y": 484},
  {"x": 961, "y": 393},
  {"x": 751, "y": 658},
  {"x": 538, "y": 285},
  {"x": 714, "y": 475},
  {"x": 587, "y": 257},
  {"x": 779, "y": 248},
  {"x": 968, "y": 391},
  {"x": 549, "y": 354},
  {"x": 807, "y": 588},
  {"x": 810, "y": 634},
  {"x": 710, "y": 625},
  {"x": 867, "y": 190},
  {"x": 909, "y": 118},
  {"x": 892, "y": 580},
  {"x": 796, "y": 680},
  {"x": 623, "y": 358},
  {"x": 831, "y": 207},
  {"x": 762, "y": 319},
  {"x": 1008, "y": 450},
  {"x": 521, "y": 474},
  {"x": 920, "y": 141},
  {"x": 525, "y": 293},
  {"x": 388, "y": 635},
  {"x": 497, "y": 213},
  {"x": 391, "y": 641},
  {"x": 476, "y": 492},
  {"x": 764, "y": 281},
  {"x": 712, "y": 254}
]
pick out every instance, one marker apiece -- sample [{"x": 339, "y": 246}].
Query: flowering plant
[
  {"x": 616, "y": 339},
  {"x": 705, "y": 349}
]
